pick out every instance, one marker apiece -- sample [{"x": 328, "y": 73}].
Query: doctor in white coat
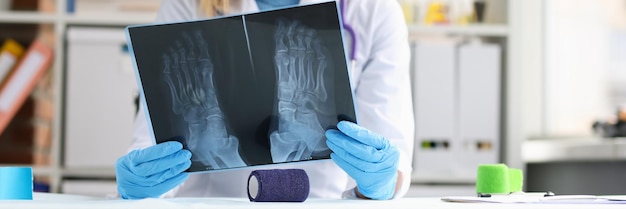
[{"x": 371, "y": 160}]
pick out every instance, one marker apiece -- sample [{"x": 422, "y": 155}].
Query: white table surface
[{"x": 44, "y": 200}]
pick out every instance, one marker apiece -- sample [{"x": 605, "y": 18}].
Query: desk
[{"x": 44, "y": 201}]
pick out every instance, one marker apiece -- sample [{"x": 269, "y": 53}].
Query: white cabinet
[
  {"x": 456, "y": 94},
  {"x": 99, "y": 97},
  {"x": 521, "y": 39}
]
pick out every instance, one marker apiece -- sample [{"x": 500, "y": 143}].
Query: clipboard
[{"x": 538, "y": 198}]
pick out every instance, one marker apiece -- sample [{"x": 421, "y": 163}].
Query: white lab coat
[{"x": 380, "y": 83}]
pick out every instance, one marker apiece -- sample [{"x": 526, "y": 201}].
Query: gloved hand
[
  {"x": 367, "y": 157},
  {"x": 152, "y": 171}
]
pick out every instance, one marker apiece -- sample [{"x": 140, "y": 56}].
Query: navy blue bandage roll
[{"x": 278, "y": 185}]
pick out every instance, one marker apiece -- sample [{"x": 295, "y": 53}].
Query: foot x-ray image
[
  {"x": 303, "y": 103},
  {"x": 188, "y": 72},
  {"x": 245, "y": 90}
]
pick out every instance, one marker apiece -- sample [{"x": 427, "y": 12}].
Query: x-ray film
[{"x": 245, "y": 90}]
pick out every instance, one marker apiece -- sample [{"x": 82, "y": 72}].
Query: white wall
[
  {"x": 524, "y": 86},
  {"x": 577, "y": 76}
]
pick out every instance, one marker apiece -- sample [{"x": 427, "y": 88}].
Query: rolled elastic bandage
[{"x": 278, "y": 185}]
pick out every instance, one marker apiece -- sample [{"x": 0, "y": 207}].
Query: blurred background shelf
[
  {"x": 99, "y": 19},
  {"x": 27, "y": 17},
  {"x": 109, "y": 19},
  {"x": 491, "y": 30}
]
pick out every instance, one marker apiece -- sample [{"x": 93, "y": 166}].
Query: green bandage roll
[
  {"x": 516, "y": 179},
  {"x": 493, "y": 179}
]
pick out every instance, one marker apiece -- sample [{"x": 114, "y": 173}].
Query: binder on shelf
[
  {"x": 10, "y": 53},
  {"x": 71, "y": 6},
  {"x": 21, "y": 82},
  {"x": 479, "y": 105},
  {"x": 434, "y": 106}
]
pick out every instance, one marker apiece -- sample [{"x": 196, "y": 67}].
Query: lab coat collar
[
  {"x": 245, "y": 6},
  {"x": 248, "y": 6}
]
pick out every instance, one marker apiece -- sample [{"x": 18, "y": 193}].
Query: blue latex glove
[
  {"x": 367, "y": 157},
  {"x": 152, "y": 171}
]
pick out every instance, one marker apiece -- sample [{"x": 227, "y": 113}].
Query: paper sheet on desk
[{"x": 534, "y": 199}]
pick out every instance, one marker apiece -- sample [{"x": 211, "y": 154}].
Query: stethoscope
[{"x": 351, "y": 33}]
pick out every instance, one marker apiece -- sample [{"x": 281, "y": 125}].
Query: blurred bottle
[
  {"x": 479, "y": 10},
  {"x": 462, "y": 12},
  {"x": 612, "y": 127},
  {"x": 437, "y": 13}
]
